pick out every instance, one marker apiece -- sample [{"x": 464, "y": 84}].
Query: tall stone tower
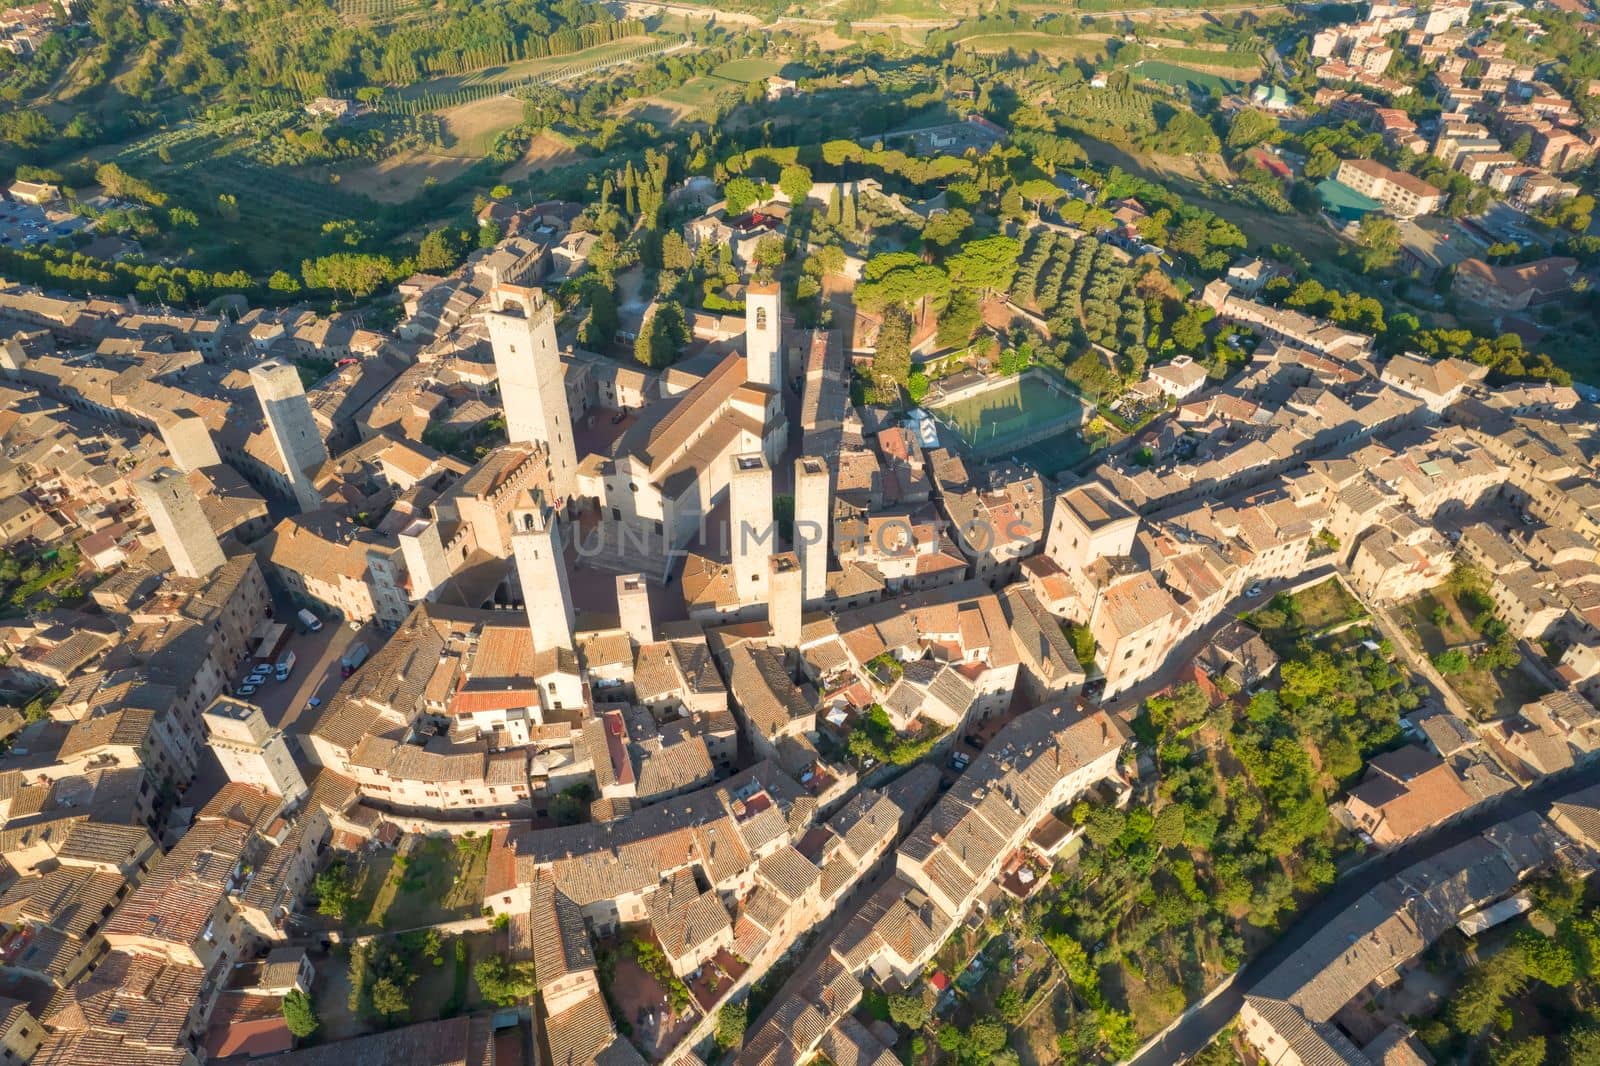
[
  {"x": 175, "y": 511},
  {"x": 783, "y": 600},
  {"x": 763, "y": 334},
  {"x": 813, "y": 525},
  {"x": 633, "y": 608},
  {"x": 424, "y": 557},
  {"x": 283, "y": 402},
  {"x": 251, "y": 751},
  {"x": 188, "y": 441},
  {"x": 533, "y": 393},
  {"x": 751, "y": 534},
  {"x": 542, "y": 571}
]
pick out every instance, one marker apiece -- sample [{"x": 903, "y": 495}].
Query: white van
[{"x": 309, "y": 620}]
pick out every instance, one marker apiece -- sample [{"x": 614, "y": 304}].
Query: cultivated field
[
  {"x": 396, "y": 179},
  {"x": 522, "y": 69},
  {"x": 1046, "y": 44},
  {"x": 681, "y": 104},
  {"x": 747, "y": 70}
]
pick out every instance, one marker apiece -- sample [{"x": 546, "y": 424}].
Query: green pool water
[{"x": 1009, "y": 413}]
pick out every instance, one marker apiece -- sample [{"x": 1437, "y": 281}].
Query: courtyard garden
[
  {"x": 1455, "y": 626},
  {"x": 426, "y": 880}
]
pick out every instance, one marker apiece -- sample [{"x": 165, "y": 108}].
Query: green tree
[
  {"x": 675, "y": 254},
  {"x": 440, "y": 251},
  {"x": 662, "y": 337},
  {"x": 1451, "y": 661},
  {"x": 892, "y": 360},
  {"x": 795, "y": 181},
  {"x": 299, "y": 1014},
  {"x": 1249, "y": 128},
  {"x": 768, "y": 258},
  {"x": 352, "y": 272},
  {"x": 1321, "y": 163},
  {"x": 986, "y": 265},
  {"x": 1169, "y": 826},
  {"x": 1010, "y": 1005},
  {"x": 1117, "y": 1030},
  {"x": 389, "y": 999},
  {"x": 1189, "y": 330},
  {"x": 504, "y": 983},
  {"x": 1377, "y": 242},
  {"x": 741, "y": 194},
  {"x": 1528, "y": 1052},
  {"x": 1583, "y": 1047},
  {"x": 731, "y": 1022},
  {"x": 946, "y": 228},
  {"x": 984, "y": 1040},
  {"x": 1041, "y": 191},
  {"x": 600, "y": 328},
  {"x": 570, "y": 806},
  {"x": 960, "y": 320},
  {"x": 1546, "y": 960},
  {"x": 917, "y": 386},
  {"x": 334, "y": 890},
  {"x": 27, "y": 128},
  {"x": 1479, "y": 997},
  {"x": 284, "y": 282},
  {"x": 908, "y": 1010}
]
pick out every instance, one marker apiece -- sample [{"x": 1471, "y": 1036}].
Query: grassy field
[
  {"x": 282, "y": 213},
  {"x": 547, "y": 151},
  {"x": 749, "y": 69},
  {"x": 1184, "y": 77},
  {"x": 434, "y": 988},
  {"x": 680, "y": 104},
  {"x": 1286, "y": 619},
  {"x": 1213, "y": 57},
  {"x": 1439, "y": 622},
  {"x": 524, "y": 68},
  {"x": 1046, "y": 44},
  {"x": 472, "y": 128},
  {"x": 913, "y": 9},
  {"x": 440, "y": 881},
  {"x": 434, "y": 880}
]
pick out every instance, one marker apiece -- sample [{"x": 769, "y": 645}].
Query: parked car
[
  {"x": 1253, "y": 592},
  {"x": 352, "y": 659},
  {"x": 246, "y": 689}
]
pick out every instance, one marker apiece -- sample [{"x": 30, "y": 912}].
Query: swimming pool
[{"x": 1011, "y": 414}]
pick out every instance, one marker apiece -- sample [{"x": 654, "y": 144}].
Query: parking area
[
  {"x": 22, "y": 225},
  {"x": 316, "y": 672}
]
